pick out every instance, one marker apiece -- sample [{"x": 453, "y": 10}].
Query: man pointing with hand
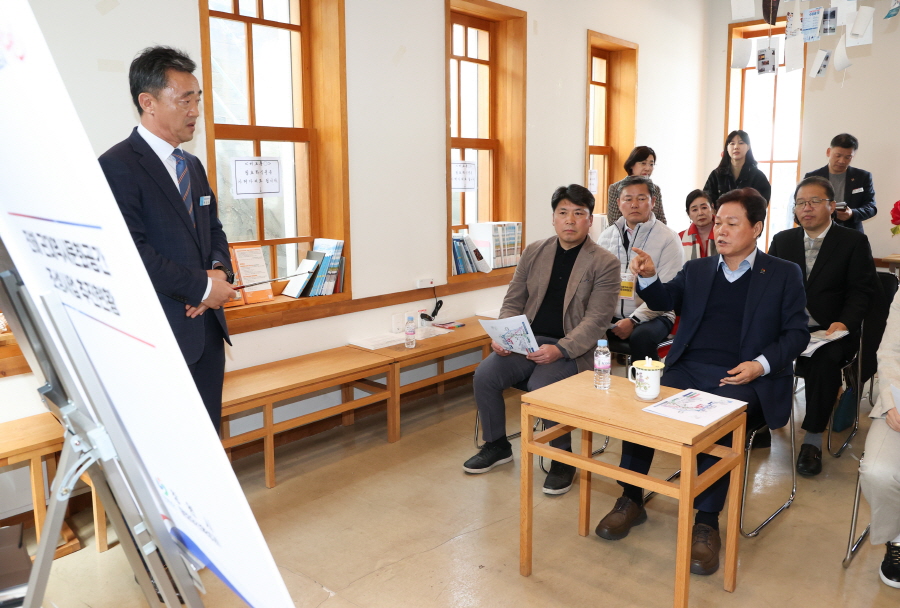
[{"x": 742, "y": 325}]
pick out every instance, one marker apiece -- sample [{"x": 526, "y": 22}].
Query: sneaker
[
  {"x": 559, "y": 479},
  {"x": 890, "y": 567},
  {"x": 490, "y": 456}
]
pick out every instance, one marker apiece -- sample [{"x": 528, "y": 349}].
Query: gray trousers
[
  {"x": 496, "y": 374},
  {"x": 880, "y": 479}
]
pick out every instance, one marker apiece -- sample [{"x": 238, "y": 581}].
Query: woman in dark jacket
[{"x": 737, "y": 169}]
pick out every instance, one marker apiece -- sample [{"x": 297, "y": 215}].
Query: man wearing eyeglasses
[
  {"x": 854, "y": 192},
  {"x": 839, "y": 277},
  {"x": 633, "y": 320}
]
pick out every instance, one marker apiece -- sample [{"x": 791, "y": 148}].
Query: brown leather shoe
[
  {"x": 705, "y": 546},
  {"x": 619, "y": 521}
]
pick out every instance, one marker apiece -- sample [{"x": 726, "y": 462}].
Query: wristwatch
[
  {"x": 229, "y": 276},
  {"x": 634, "y": 320}
]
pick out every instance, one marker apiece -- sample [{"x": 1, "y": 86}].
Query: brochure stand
[{"x": 97, "y": 444}]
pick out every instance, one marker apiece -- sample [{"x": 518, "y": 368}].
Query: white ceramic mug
[{"x": 646, "y": 377}]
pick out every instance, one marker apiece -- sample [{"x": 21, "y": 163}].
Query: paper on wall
[
  {"x": 820, "y": 63},
  {"x": 793, "y": 53},
  {"x": 844, "y": 7},
  {"x": 742, "y": 9},
  {"x": 841, "y": 61},
  {"x": 593, "y": 180},
  {"x": 866, "y": 38},
  {"x": 741, "y": 50},
  {"x": 811, "y": 22},
  {"x": 863, "y": 20}
]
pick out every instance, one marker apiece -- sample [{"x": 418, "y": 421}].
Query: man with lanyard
[
  {"x": 633, "y": 320},
  {"x": 566, "y": 286}
]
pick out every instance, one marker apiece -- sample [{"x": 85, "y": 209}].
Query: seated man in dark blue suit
[{"x": 742, "y": 325}]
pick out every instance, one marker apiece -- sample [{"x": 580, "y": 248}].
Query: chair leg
[
  {"x": 853, "y": 544},
  {"x": 871, "y": 388},
  {"x": 793, "y": 466},
  {"x": 602, "y": 448}
]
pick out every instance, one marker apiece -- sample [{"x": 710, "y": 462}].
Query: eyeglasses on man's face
[{"x": 812, "y": 202}]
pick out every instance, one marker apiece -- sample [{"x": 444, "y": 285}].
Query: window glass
[
  {"x": 228, "y": 41},
  {"x": 238, "y": 216},
  {"x": 272, "y": 77}
]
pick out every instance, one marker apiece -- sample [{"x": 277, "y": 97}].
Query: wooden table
[
  {"x": 32, "y": 440},
  {"x": 471, "y": 336},
  {"x": 262, "y": 386},
  {"x": 893, "y": 262},
  {"x": 575, "y": 403}
]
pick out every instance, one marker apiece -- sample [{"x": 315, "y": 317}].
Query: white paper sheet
[
  {"x": 391, "y": 339},
  {"x": 841, "y": 61},
  {"x": 593, "y": 180},
  {"x": 820, "y": 63},
  {"x": 818, "y": 339},
  {"x": 867, "y": 36},
  {"x": 463, "y": 176},
  {"x": 513, "y": 333},
  {"x": 296, "y": 284},
  {"x": 829, "y": 21},
  {"x": 793, "y": 53},
  {"x": 742, "y": 9},
  {"x": 695, "y": 407},
  {"x": 812, "y": 21},
  {"x": 793, "y": 24},
  {"x": 862, "y": 21},
  {"x": 844, "y": 7},
  {"x": 256, "y": 176},
  {"x": 741, "y": 50}
]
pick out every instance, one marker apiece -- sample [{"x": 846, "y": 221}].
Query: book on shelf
[
  {"x": 332, "y": 249},
  {"x": 251, "y": 267},
  {"x": 499, "y": 242},
  {"x": 339, "y": 283},
  {"x": 305, "y": 271},
  {"x": 319, "y": 257}
]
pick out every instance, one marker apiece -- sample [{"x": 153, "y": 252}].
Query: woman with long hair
[
  {"x": 737, "y": 169},
  {"x": 641, "y": 161}
]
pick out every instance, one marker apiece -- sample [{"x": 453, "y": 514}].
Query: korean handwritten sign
[{"x": 256, "y": 176}]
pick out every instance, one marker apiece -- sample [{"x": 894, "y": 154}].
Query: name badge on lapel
[
  {"x": 857, "y": 191},
  {"x": 204, "y": 200}
]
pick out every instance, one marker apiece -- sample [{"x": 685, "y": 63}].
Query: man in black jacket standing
[
  {"x": 851, "y": 185},
  {"x": 840, "y": 281}
]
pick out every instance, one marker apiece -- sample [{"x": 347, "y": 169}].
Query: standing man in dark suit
[
  {"x": 170, "y": 210},
  {"x": 742, "y": 326},
  {"x": 839, "y": 276},
  {"x": 851, "y": 185}
]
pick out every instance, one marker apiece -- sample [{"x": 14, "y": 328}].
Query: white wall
[{"x": 861, "y": 101}]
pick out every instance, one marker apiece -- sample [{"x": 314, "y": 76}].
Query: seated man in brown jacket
[{"x": 567, "y": 287}]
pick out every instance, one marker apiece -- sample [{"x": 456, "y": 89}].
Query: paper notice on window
[
  {"x": 841, "y": 61},
  {"x": 741, "y": 50},
  {"x": 793, "y": 56},
  {"x": 256, "y": 177},
  {"x": 742, "y": 9},
  {"x": 513, "y": 333},
  {"x": 820, "y": 63},
  {"x": 463, "y": 176},
  {"x": 812, "y": 21},
  {"x": 857, "y": 19},
  {"x": 593, "y": 180}
]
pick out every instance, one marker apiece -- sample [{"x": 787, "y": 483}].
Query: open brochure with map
[
  {"x": 513, "y": 333},
  {"x": 695, "y": 407}
]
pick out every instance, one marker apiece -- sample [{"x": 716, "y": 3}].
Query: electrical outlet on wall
[
  {"x": 423, "y": 283},
  {"x": 397, "y": 323}
]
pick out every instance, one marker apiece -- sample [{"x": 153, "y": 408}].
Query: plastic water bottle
[
  {"x": 410, "y": 331},
  {"x": 601, "y": 366}
]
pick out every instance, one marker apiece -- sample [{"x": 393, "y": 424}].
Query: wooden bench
[
  {"x": 469, "y": 337},
  {"x": 262, "y": 386},
  {"x": 32, "y": 439}
]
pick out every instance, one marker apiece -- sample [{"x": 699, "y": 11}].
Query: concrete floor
[{"x": 357, "y": 522}]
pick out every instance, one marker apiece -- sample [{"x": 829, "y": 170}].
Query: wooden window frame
[
  {"x": 759, "y": 29},
  {"x": 324, "y": 127},
  {"x": 508, "y": 35},
  {"x": 621, "y": 107}
]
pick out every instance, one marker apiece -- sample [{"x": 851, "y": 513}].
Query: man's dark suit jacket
[
  {"x": 862, "y": 202},
  {"x": 175, "y": 254},
  {"x": 774, "y": 322},
  {"x": 842, "y": 282}
]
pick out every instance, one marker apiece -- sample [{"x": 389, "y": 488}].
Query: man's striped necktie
[{"x": 184, "y": 182}]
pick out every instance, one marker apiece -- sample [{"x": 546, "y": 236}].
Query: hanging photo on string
[{"x": 766, "y": 61}]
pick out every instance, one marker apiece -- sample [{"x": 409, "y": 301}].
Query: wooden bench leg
[
  {"x": 269, "y": 445},
  {"x": 440, "y": 370},
  {"x": 393, "y": 404},
  {"x": 348, "y": 417}
]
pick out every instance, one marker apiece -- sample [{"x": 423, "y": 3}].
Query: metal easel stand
[{"x": 103, "y": 452}]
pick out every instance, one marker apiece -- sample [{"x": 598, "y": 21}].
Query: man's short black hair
[
  {"x": 845, "y": 140},
  {"x": 816, "y": 180},
  {"x": 148, "y": 70},
  {"x": 633, "y": 180},
  {"x": 575, "y": 194},
  {"x": 750, "y": 199},
  {"x": 694, "y": 195}
]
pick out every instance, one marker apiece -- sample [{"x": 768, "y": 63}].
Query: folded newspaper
[{"x": 695, "y": 407}]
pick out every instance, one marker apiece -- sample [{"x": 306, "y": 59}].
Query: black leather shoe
[
  {"x": 559, "y": 479},
  {"x": 705, "y": 546},
  {"x": 618, "y": 522},
  {"x": 809, "y": 462}
]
